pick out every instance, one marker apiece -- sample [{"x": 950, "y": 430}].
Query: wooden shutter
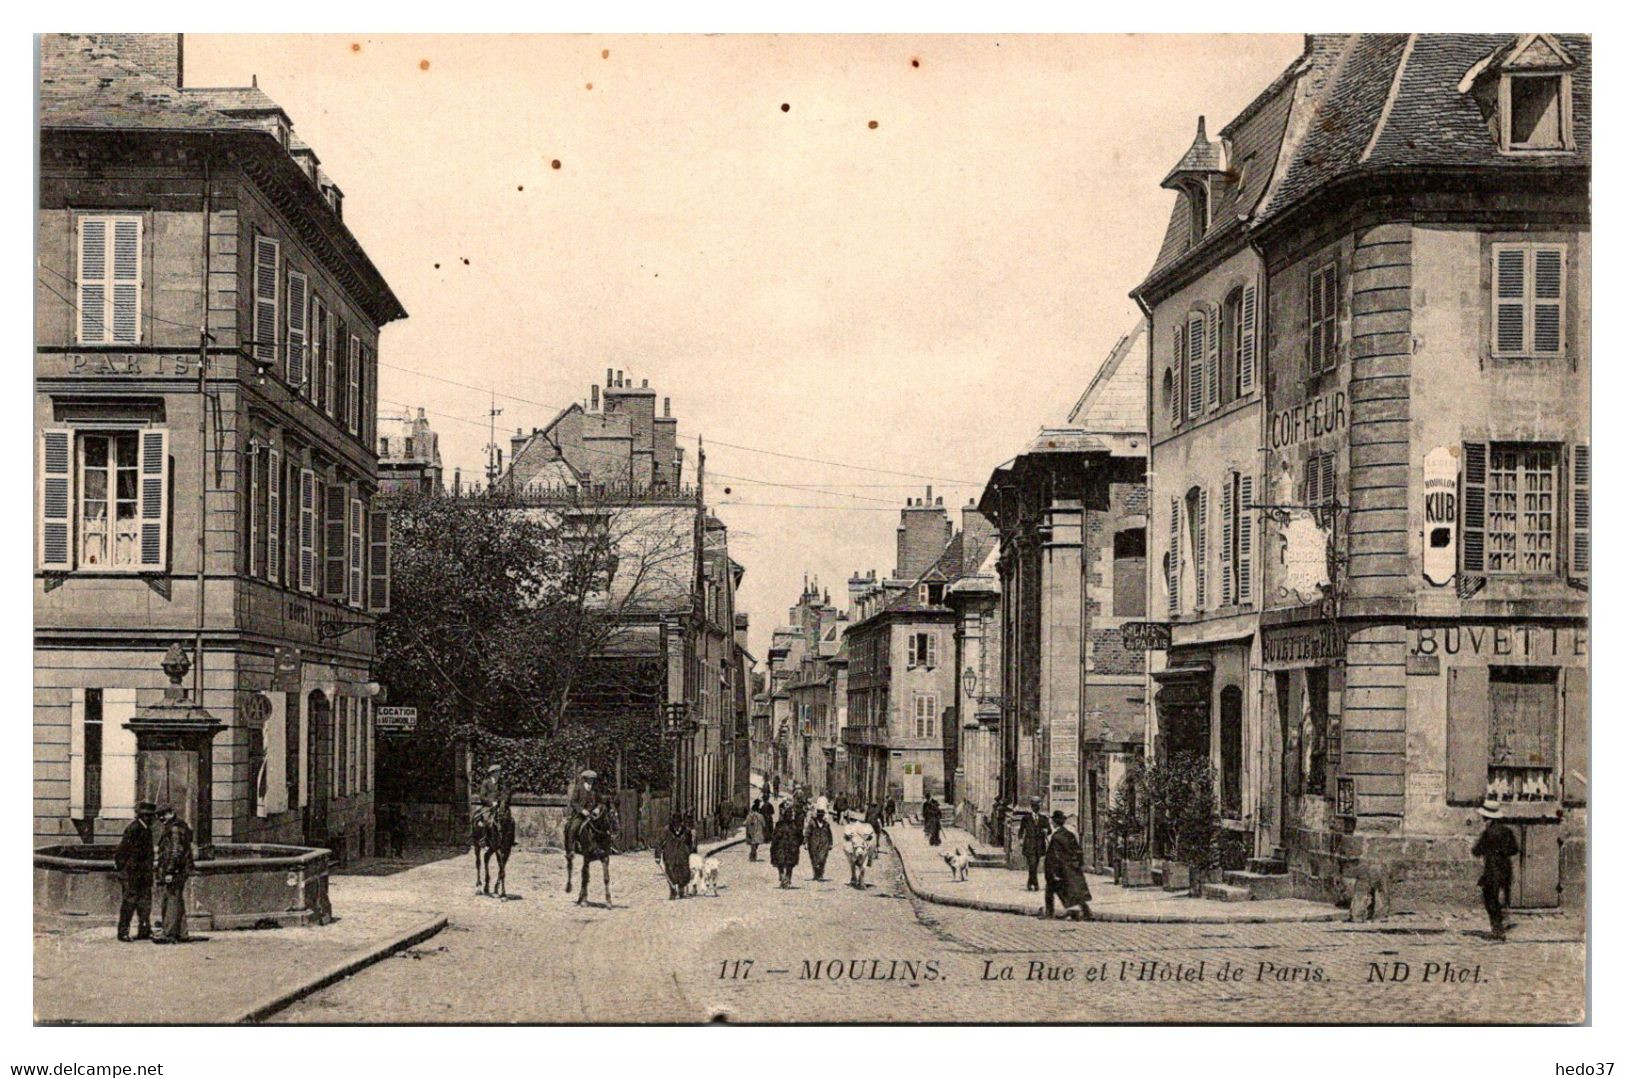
[
  {"x": 273, "y": 518},
  {"x": 1247, "y": 357},
  {"x": 153, "y": 507},
  {"x": 298, "y": 314},
  {"x": 1576, "y": 778},
  {"x": 1509, "y": 299},
  {"x": 267, "y": 278},
  {"x": 1213, "y": 335},
  {"x": 1466, "y": 740},
  {"x": 1195, "y": 353},
  {"x": 76, "y": 754},
  {"x": 93, "y": 280},
  {"x": 353, "y": 399},
  {"x": 330, "y": 385},
  {"x": 317, "y": 330},
  {"x": 358, "y": 548},
  {"x": 1244, "y": 541},
  {"x": 1176, "y": 403},
  {"x": 1328, "y": 477},
  {"x": 126, "y": 280},
  {"x": 254, "y": 560},
  {"x": 931, "y": 651},
  {"x": 1227, "y": 537},
  {"x": 1173, "y": 556},
  {"x": 378, "y": 564},
  {"x": 1474, "y": 475},
  {"x": 1546, "y": 329},
  {"x": 335, "y": 552},
  {"x": 56, "y": 500},
  {"x": 307, "y": 530},
  {"x": 1580, "y": 510},
  {"x": 1199, "y": 549}
]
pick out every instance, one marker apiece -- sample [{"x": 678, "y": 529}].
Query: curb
[
  {"x": 728, "y": 845},
  {"x": 346, "y": 967},
  {"x": 936, "y": 898}
]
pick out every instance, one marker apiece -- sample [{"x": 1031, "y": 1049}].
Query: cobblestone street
[{"x": 825, "y": 952}]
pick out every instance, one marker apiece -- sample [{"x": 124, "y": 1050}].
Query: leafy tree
[
  {"x": 1126, "y": 816},
  {"x": 1180, "y": 791}
]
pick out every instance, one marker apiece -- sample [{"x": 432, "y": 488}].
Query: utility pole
[{"x": 492, "y": 467}]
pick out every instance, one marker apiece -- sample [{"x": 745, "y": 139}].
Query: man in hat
[
  {"x": 584, "y": 797},
  {"x": 1497, "y": 846},
  {"x": 1063, "y": 872},
  {"x": 134, "y": 864},
  {"x": 1034, "y": 837},
  {"x": 174, "y": 868}
]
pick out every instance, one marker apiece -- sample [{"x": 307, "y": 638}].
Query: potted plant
[{"x": 1180, "y": 792}]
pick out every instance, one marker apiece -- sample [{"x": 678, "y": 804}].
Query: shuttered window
[
  {"x": 378, "y": 563},
  {"x": 330, "y": 350},
  {"x": 109, "y": 279},
  {"x": 1212, "y": 360},
  {"x": 1511, "y": 507},
  {"x": 298, "y": 334},
  {"x": 930, "y": 651},
  {"x": 1195, "y": 357},
  {"x": 1244, "y": 539},
  {"x": 1580, "y": 510},
  {"x": 358, "y": 549},
  {"x": 254, "y": 550},
  {"x": 113, "y": 488},
  {"x": 353, "y": 398},
  {"x": 1320, "y": 479},
  {"x": 335, "y": 550},
  {"x": 267, "y": 281},
  {"x": 925, "y": 715},
  {"x": 307, "y": 530},
  {"x": 1322, "y": 340},
  {"x": 1247, "y": 345},
  {"x": 1530, "y": 282},
  {"x": 1199, "y": 549},
  {"x": 1176, "y": 397},
  {"x": 1227, "y": 538},
  {"x": 1173, "y": 557},
  {"x": 56, "y": 500},
  {"x": 316, "y": 379},
  {"x": 1576, "y": 735},
  {"x": 273, "y": 517}
]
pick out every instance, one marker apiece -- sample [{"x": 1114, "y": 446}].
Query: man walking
[
  {"x": 1497, "y": 846},
  {"x": 931, "y": 817},
  {"x": 891, "y": 811},
  {"x": 134, "y": 864},
  {"x": 174, "y": 868},
  {"x": 1063, "y": 873},
  {"x": 1034, "y": 838}
]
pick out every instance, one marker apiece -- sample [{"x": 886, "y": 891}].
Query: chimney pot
[
  {"x": 668, "y": 407},
  {"x": 646, "y": 383},
  {"x": 928, "y": 494},
  {"x": 594, "y": 399},
  {"x": 620, "y": 379},
  {"x": 609, "y": 377}
]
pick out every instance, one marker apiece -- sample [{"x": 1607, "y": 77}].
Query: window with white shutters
[
  {"x": 316, "y": 378},
  {"x": 253, "y": 551},
  {"x": 378, "y": 563},
  {"x": 1173, "y": 557},
  {"x": 335, "y": 550},
  {"x": 1195, "y": 360},
  {"x": 1530, "y": 282},
  {"x": 1322, "y": 339},
  {"x": 1580, "y": 510},
  {"x": 1227, "y": 537},
  {"x": 925, "y": 715},
  {"x": 913, "y": 651},
  {"x": 358, "y": 547},
  {"x": 273, "y": 518},
  {"x": 307, "y": 530},
  {"x": 353, "y": 400},
  {"x": 56, "y": 500},
  {"x": 1244, "y": 539},
  {"x": 330, "y": 349},
  {"x": 930, "y": 651},
  {"x": 267, "y": 282},
  {"x": 1199, "y": 546},
  {"x": 109, "y": 279},
  {"x": 104, "y": 500},
  {"x": 1176, "y": 405},
  {"x": 298, "y": 335},
  {"x": 1212, "y": 361},
  {"x": 1247, "y": 344}
]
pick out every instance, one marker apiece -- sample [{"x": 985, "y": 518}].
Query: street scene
[{"x": 774, "y": 540}]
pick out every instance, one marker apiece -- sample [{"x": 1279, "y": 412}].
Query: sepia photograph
[{"x": 811, "y": 529}]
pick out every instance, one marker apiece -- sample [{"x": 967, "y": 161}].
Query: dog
[
  {"x": 958, "y": 864},
  {"x": 696, "y": 867},
  {"x": 708, "y": 873}
]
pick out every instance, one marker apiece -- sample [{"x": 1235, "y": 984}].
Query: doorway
[{"x": 318, "y": 744}]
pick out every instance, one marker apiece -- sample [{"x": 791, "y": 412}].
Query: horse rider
[
  {"x": 489, "y": 793},
  {"x": 584, "y": 798}
]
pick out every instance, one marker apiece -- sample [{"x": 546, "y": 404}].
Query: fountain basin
[{"x": 243, "y": 885}]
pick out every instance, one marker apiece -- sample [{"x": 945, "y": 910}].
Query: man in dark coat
[
  {"x": 1497, "y": 846},
  {"x": 891, "y": 811},
  {"x": 174, "y": 869},
  {"x": 1034, "y": 837},
  {"x": 134, "y": 864},
  {"x": 840, "y": 806},
  {"x": 786, "y": 849},
  {"x": 675, "y": 846},
  {"x": 767, "y": 813},
  {"x": 1063, "y": 872},
  {"x": 819, "y": 841},
  {"x": 931, "y": 817}
]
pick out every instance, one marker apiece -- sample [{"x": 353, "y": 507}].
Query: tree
[
  {"x": 1125, "y": 818},
  {"x": 1180, "y": 792}
]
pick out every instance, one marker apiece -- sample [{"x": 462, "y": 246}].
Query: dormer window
[
  {"x": 1536, "y": 111},
  {"x": 1525, "y": 92}
]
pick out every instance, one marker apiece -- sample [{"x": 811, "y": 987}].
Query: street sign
[
  {"x": 1147, "y": 635},
  {"x": 398, "y": 718}
]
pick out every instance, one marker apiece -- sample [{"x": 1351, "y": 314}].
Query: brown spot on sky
[
  {"x": 914, "y": 62},
  {"x": 557, "y": 163},
  {"x": 873, "y": 124},
  {"x": 423, "y": 65},
  {"x": 589, "y": 85},
  {"x": 355, "y": 46},
  {"x": 605, "y": 54},
  {"x": 785, "y": 107},
  {"x": 521, "y": 187}
]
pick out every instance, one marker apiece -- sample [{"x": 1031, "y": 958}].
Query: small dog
[
  {"x": 958, "y": 864},
  {"x": 696, "y": 867},
  {"x": 708, "y": 873}
]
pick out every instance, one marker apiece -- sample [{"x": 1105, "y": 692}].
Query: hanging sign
[{"x": 1440, "y": 506}]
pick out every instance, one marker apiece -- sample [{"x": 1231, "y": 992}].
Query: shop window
[
  {"x": 1230, "y": 752},
  {"x": 1523, "y": 733},
  {"x": 1317, "y": 704},
  {"x": 1128, "y": 573}
]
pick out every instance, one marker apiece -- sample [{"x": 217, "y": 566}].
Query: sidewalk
[
  {"x": 1005, "y": 890},
  {"x": 83, "y": 975}
]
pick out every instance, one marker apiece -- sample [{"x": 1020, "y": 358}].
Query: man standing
[
  {"x": 134, "y": 864},
  {"x": 891, "y": 811},
  {"x": 174, "y": 868},
  {"x": 931, "y": 817},
  {"x": 1497, "y": 846},
  {"x": 1063, "y": 873},
  {"x": 1034, "y": 838}
]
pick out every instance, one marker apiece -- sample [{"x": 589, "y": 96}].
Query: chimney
[
  {"x": 646, "y": 383},
  {"x": 157, "y": 54},
  {"x": 594, "y": 407},
  {"x": 928, "y": 494},
  {"x": 668, "y": 407},
  {"x": 456, "y": 480},
  {"x": 620, "y": 379},
  {"x": 609, "y": 377}
]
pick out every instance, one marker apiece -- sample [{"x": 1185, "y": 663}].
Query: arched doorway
[{"x": 318, "y": 744}]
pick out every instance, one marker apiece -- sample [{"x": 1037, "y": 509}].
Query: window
[
  {"x": 103, "y": 500},
  {"x": 298, "y": 333},
  {"x": 1529, "y": 299},
  {"x": 358, "y": 553},
  {"x": 1196, "y": 348},
  {"x": 925, "y": 715},
  {"x": 1236, "y": 540},
  {"x": 316, "y": 380},
  {"x": 93, "y": 754},
  {"x": 336, "y": 554},
  {"x": 109, "y": 287},
  {"x": 1322, "y": 346},
  {"x": 1317, "y": 703},
  {"x": 1241, "y": 341},
  {"x": 1170, "y": 562},
  {"x": 1128, "y": 573},
  {"x": 307, "y": 530},
  {"x": 1196, "y": 528},
  {"x": 1523, "y": 733},
  {"x": 1320, "y": 479},
  {"x": 378, "y": 562},
  {"x": 1197, "y": 194},
  {"x": 1230, "y": 752},
  {"x": 934, "y": 594},
  {"x": 922, "y": 650},
  {"x": 1509, "y": 511},
  {"x": 1535, "y": 112},
  {"x": 1175, "y": 379},
  {"x": 330, "y": 349}
]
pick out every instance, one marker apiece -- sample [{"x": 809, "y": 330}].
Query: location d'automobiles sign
[{"x": 399, "y": 718}]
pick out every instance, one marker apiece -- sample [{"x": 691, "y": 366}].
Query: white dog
[
  {"x": 708, "y": 872},
  {"x": 958, "y": 864}
]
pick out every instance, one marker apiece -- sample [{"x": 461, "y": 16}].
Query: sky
[{"x": 857, "y": 265}]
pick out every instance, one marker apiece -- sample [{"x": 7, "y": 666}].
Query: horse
[
  {"x": 594, "y": 839},
  {"x": 493, "y": 833}
]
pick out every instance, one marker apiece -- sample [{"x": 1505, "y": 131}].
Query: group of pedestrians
[
  {"x": 142, "y": 861},
  {"x": 1048, "y": 841},
  {"x": 800, "y": 821}
]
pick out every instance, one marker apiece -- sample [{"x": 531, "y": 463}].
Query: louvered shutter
[
  {"x": 913, "y": 651},
  {"x": 1199, "y": 549},
  {"x": 1173, "y": 557},
  {"x": 317, "y": 330},
  {"x": 1195, "y": 351},
  {"x": 330, "y": 385},
  {"x": 1474, "y": 469},
  {"x": 56, "y": 500},
  {"x": 353, "y": 400},
  {"x": 334, "y": 547},
  {"x": 307, "y": 530},
  {"x": 126, "y": 280},
  {"x": 267, "y": 277},
  {"x": 273, "y": 518},
  {"x": 1576, "y": 735},
  {"x": 378, "y": 567},
  {"x": 254, "y": 560},
  {"x": 1213, "y": 335},
  {"x": 931, "y": 651},
  {"x": 1244, "y": 541},
  {"x": 1176, "y": 403},
  {"x": 153, "y": 479},
  {"x": 1328, "y": 477},
  {"x": 1227, "y": 536},
  {"x": 1311, "y": 480},
  {"x": 93, "y": 290},
  {"x": 1547, "y": 336},
  {"x": 1509, "y": 299},
  {"x": 1247, "y": 376},
  {"x": 1580, "y": 510},
  {"x": 358, "y": 547},
  {"x": 298, "y": 314}
]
